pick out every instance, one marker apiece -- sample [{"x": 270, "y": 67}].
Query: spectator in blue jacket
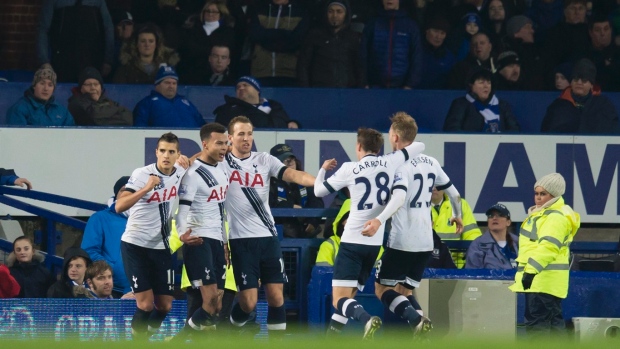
[
  {"x": 9, "y": 177},
  {"x": 164, "y": 107},
  {"x": 37, "y": 107},
  {"x": 498, "y": 247},
  {"x": 391, "y": 49},
  {"x": 438, "y": 59},
  {"x": 102, "y": 240}
]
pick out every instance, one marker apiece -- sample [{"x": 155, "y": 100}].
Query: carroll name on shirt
[{"x": 369, "y": 164}]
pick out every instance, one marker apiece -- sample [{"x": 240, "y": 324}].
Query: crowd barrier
[
  {"x": 328, "y": 109},
  {"x": 87, "y": 319},
  {"x": 590, "y": 294}
]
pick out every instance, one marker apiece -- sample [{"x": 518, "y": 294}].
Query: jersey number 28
[{"x": 383, "y": 193}]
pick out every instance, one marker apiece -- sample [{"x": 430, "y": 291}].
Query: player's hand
[
  {"x": 190, "y": 240},
  {"x": 21, "y": 181},
  {"x": 371, "y": 227},
  {"x": 183, "y": 161},
  {"x": 329, "y": 164},
  {"x": 459, "y": 224},
  {"x": 227, "y": 255},
  {"x": 152, "y": 182},
  {"x": 129, "y": 295}
]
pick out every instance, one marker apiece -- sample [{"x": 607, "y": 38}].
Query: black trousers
[{"x": 543, "y": 315}]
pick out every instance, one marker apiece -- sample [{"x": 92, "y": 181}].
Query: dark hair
[
  {"x": 370, "y": 139},
  {"x": 570, "y": 2},
  {"x": 23, "y": 237},
  {"x": 97, "y": 268},
  {"x": 168, "y": 138},
  {"x": 206, "y": 130},
  {"x": 238, "y": 119},
  {"x": 597, "y": 17}
]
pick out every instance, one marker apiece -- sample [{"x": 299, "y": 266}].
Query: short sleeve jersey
[
  {"x": 150, "y": 218},
  {"x": 369, "y": 181},
  {"x": 204, "y": 188},
  {"x": 247, "y": 200},
  {"x": 412, "y": 227}
]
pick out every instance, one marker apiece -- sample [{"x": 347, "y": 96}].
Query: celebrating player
[
  {"x": 254, "y": 244},
  {"x": 200, "y": 222},
  {"x": 148, "y": 196},
  {"x": 369, "y": 181},
  {"x": 410, "y": 243}
]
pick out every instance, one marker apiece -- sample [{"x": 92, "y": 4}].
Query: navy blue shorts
[
  {"x": 205, "y": 264},
  {"x": 148, "y": 269},
  {"x": 257, "y": 258},
  {"x": 353, "y": 264},
  {"x": 401, "y": 267}
]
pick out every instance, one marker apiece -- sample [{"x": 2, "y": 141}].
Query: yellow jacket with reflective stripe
[
  {"x": 328, "y": 251},
  {"x": 544, "y": 242},
  {"x": 441, "y": 225}
]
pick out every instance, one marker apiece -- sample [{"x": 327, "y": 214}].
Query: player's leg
[
  {"x": 203, "y": 273},
  {"x": 162, "y": 279},
  {"x": 245, "y": 258},
  {"x": 391, "y": 271},
  {"x": 136, "y": 267},
  {"x": 273, "y": 276},
  {"x": 351, "y": 270}
]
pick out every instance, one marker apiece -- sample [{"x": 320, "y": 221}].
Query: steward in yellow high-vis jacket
[
  {"x": 544, "y": 254},
  {"x": 441, "y": 213}
]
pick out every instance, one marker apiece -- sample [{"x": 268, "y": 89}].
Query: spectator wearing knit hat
[
  {"x": 91, "y": 107},
  {"x": 37, "y": 107},
  {"x": 329, "y": 56},
  {"x": 509, "y": 72},
  {"x": 543, "y": 260},
  {"x": 581, "y": 109},
  {"x": 437, "y": 60},
  {"x": 164, "y": 107},
  {"x": 480, "y": 110},
  {"x": 521, "y": 40},
  {"x": 262, "y": 112},
  {"x": 459, "y": 41}
]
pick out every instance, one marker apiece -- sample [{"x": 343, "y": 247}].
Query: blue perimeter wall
[
  {"x": 327, "y": 109},
  {"x": 590, "y": 294}
]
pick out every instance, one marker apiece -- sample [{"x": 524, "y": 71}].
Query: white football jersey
[
  {"x": 247, "y": 203},
  {"x": 370, "y": 182},
  {"x": 150, "y": 218},
  {"x": 203, "y": 189},
  {"x": 412, "y": 227}
]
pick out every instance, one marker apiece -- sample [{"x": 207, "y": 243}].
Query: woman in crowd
[
  {"x": 544, "y": 253},
  {"x": 480, "y": 110},
  {"x": 213, "y": 27},
  {"x": 498, "y": 247},
  {"x": 142, "y": 56},
  {"x": 26, "y": 266},
  {"x": 37, "y": 107}
]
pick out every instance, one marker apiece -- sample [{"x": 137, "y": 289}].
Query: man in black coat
[
  {"x": 330, "y": 54},
  {"x": 262, "y": 112},
  {"x": 581, "y": 108}
]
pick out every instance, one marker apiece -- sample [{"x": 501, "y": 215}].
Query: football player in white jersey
[
  {"x": 149, "y": 195},
  {"x": 201, "y": 214},
  {"x": 254, "y": 245},
  {"x": 410, "y": 242},
  {"x": 369, "y": 181}
]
